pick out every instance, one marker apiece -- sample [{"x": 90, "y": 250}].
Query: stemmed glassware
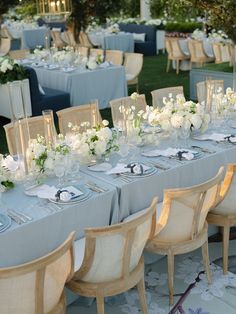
[
  {"x": 59, "y": 170},
  {"x": 185, "y": 133}
]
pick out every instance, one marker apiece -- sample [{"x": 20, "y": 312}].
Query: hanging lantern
[{"x": 53, "y": 7}]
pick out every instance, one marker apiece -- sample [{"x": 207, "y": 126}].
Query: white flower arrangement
[
  {"x": 219, "y": 36},
  {"x": 96, "y": 142},
  {"x": 114, "y": 29},
  {"x": 198, "y": 34},
  {"x": 176, "y": 113},
  {"x": 41, "y": 53},
  {"x": 7, "y": 170},
  {"x": 224, "y": 102},
  {"x": 94, "y": 61}
]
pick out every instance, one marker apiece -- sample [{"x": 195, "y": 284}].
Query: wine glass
[
  {"x": 123, "y": 148},
  {"x": 59, "y": 170},
  {"x": 185, "y": 133}
]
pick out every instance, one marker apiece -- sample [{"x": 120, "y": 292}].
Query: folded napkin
[
  {"x": 124, "y": 168},
  {"x": 105, "y": 65},
  {"x": 68, "y": 70},
  {"x": 51, "y": 192},
  {"x": 216, "y": 137},
  {"x": 10, "y": 163},
  {"x": 186, "y": 153}
]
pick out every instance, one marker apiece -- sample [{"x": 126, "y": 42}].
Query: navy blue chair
[
  {"x": 52, "y": 99},
  {"x": 148, "y": 47}
]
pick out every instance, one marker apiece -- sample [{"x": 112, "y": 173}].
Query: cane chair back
[
  {"x": 114, "y": 56},
  {"x": 190, "y": 205},
  {"x": 221, "y": 52},
  {"x": 174, "y": 53},
  {"x": 94, "y": 52},
  {"x": 37, "y": 286},
  {"x": 5, "y": 46},
  {"x": 69, "y": 38},
  {"x": 88, "y": 113},
  {"x": 83, "y": 51},
  {"x": 19, "y": 54},
  {"x": 158, "y": 94},
  {"x": 84, "y": 40},
  {"x": 133, "y": 63},
  {"x": 57, "y": 40},
  {"x": 32, "y": 126},
  {"x": 120, "y": 106},
  {"x": 197, "y": 52}
]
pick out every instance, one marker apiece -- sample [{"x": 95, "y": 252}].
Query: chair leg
[
  {"x": 100, "y": 305},
  {"x": 226, "y": 231},
  {"x": 170, "y": 264},
  {"x": 168, "y": 65},
  {"x": 142, "y": 296},
  {"x": 177, "y": 66},
  {"x": 206, "y": 261}
]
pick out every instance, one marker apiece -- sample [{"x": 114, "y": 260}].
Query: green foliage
[
  {"x": 222, "y": 14},
  {"x": 16, "y": 73},
  {"x": 5, "y": 5},
  {"x": 184, "y": 27},
  {"x": 7, "y": 184},
  {"x": 178, "y": 10},
  {"x": 27, "y": 9}
]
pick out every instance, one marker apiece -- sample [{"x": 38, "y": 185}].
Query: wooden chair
[
  {"x": 158, "y": 94},
  {"x": 133, "y": 64},
  {"x": 83, "y": 51},
  {"x": 70, "y": 39},
  {"x": 174, "y": 53},
  {"x": 205, "y": 91},
  {"x": 84, "y": 40},
  {"x": 19, "y": 54},
  {"x": 56, "y": 39},
  {"x": 224, "y": 214},
  {"x": 95, "y": 52},
  {"x": 182, "y": 225},
  {"x": 77, "y": 115},
  {"x": 113, "y": 261},
  {"x": 5, "y": 46},
  {"x": 221, "y": 52},
  {"x": 35, "y": 126},
  {"x": 37, "y": 287},
  {"x": 127, "y": 102},
  {"x": 197, "y": 52},
  {"x": 114, "y": 56},
  {"x": 5, "y": 33}
]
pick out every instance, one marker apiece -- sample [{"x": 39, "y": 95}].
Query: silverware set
[
  {"x": 204, "y": 150},
  {"x": 19, "y": 217},
  {"x": 94, "y": 187}
]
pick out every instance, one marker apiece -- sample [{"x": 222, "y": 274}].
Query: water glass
[{"x": 59, "y": 170}]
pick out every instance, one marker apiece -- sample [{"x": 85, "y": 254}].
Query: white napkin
[
  {"x": 214, "y": 137},
  {"x": 122, "y": 168},
  {"x": 170, "y": 152},
  {"x": 68, "y": 70},
  {"x": 105, "y": 65},
  {"x": 100, "y": 167},
  {"x": 10, "y": 163}
]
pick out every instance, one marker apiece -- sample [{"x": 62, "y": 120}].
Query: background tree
[
  {"x": 222, "y": 14},
  {"x": 6, "y": 5}
]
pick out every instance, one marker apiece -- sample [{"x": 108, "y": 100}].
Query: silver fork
[
  {"x": 16, "y": 218},
  {"x": 22, "y": 215}
]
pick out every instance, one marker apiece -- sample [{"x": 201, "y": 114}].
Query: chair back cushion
[{"x": 159, "y": 94}]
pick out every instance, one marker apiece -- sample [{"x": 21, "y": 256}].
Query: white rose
[
  {"x": 165, "y": 124},
  {"x": 134, "y": 96},
  {"x": 105, "y": 122},
  {"x": 38, "y": 150},
  {"x": 105, "y": 133},
  {"x": 100, "y": 147},
  {"x": 176, "y": 120},
  {"x": 196, "y": 121},
  {"x": 49, "y": 163}
]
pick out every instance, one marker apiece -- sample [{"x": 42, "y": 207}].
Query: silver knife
[{"x": 15, "y": 218}]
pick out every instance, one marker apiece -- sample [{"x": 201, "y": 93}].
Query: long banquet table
[
  {"x": 84, "y": 85},
  {"x": 122, "y": 198}
]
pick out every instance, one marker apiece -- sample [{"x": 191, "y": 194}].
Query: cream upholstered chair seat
[
  {"x": 5, "y": 46},
  {"x": 158, "y": 94},
  {"x": 182, "y": 227},
  {"x": 37, "y": 287},
  {"x": 224, "y": 214},
  {"x": 114, "y": 56},
  {"x": 104, "y": 274}
]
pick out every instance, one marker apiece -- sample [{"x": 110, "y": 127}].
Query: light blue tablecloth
[
  {"x": 31, "y": 38},
  {"x": 120, "y": 41},
  {"x": 22, "y": 243},
  {"x": 85, "y": 85}
]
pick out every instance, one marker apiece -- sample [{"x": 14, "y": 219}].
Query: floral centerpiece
[
  {"x": 7, "y": 168},
  {"x": 95, "y": 143},
  {"x": 41, "y": 158},
  {"x": 114, "y": 28},
  {"x": 94, "y": 61},
  {"x": 176, "y": 113},
  {"x": 224, "y": 102},
  {"x": 11, "y": 71}
]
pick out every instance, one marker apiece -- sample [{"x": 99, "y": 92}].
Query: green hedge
[{"x": 183, "y": 27}]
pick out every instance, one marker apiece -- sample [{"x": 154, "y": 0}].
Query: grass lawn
[{"x": 153, "y": 76}]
